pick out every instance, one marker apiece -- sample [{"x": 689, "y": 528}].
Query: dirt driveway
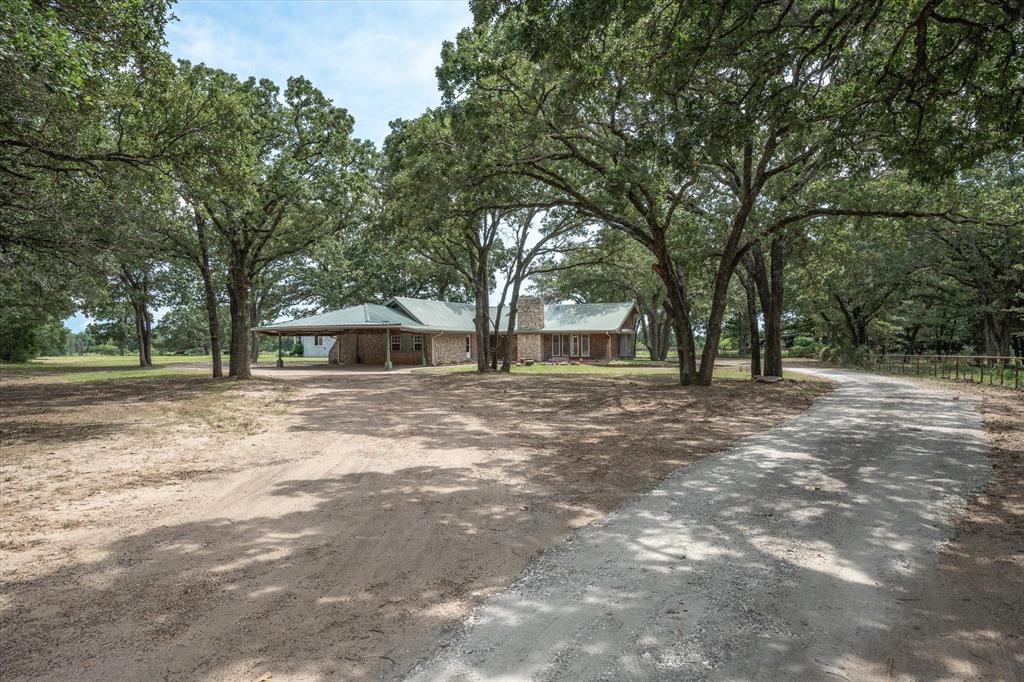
[
  {"x": 332, "y": 526},
  {"x": 815, "y": 550}
]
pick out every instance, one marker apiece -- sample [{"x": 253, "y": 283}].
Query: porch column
[
  {"x": 387, "y": 349},
  {"x": 280, "y": 358},
  {"x": 423, "y": 350}
]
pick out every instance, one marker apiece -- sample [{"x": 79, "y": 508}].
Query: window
[
  {"x": 396, "y": 342},
  {"x": 317, "y": 340},
  {"x": 556, "y": 345},
  {"x": 585, "y": 345},
  {"x": 417, "y": 342}
]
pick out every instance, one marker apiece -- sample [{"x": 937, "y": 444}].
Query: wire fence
[{"x": 994, "y": 370}]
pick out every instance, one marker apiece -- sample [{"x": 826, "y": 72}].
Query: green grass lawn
[{"x": 116, "y": 367}]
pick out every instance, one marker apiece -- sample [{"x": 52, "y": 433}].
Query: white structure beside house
[{"x": 316, "y": 346}]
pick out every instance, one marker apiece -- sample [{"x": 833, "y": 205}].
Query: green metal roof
[
  {"x": 586, "y": 317},
  {"x": 420, "y": 314},
  {"x": 579, "y": 317},
  {"x": 365, "y": 315},
  {"x": 439, "y": 315}
]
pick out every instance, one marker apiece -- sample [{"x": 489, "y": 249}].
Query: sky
[{"x": 376, "y": 59}]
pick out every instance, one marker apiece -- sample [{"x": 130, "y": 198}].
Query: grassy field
[{"x": 117, "y": 367}]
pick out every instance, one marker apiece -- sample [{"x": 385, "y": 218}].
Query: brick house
[{"x": 412, "y": 331}]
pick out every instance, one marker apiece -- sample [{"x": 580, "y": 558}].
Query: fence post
[{"x": 957, "y": 362}]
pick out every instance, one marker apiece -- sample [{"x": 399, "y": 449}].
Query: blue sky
[{"x": 376, "y": 59}]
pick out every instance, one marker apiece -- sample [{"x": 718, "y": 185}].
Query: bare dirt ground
[
  {"x": 981, "y": 568},
  {"x": 322, "y": 525}
]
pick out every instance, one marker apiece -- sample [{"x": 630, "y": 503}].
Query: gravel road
[{"x": 799, "y": 553}]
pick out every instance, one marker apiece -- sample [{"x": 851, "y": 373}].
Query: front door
[
  {"x": 575, "y": 347},
  {"x": 469, "y": 346}
]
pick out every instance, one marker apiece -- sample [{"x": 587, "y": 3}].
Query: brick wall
[
  {"x": 450, "y": 349},
  {"x": 528, "y": 347},
  {"x": 599, "y": 346},
  {"x": 530, "y": 313},
  {"x": 368, "y": 349},
  {"x": 344, "y": 349}
]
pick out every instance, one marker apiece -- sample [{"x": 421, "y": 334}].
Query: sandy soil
[{"x": 325, "y": 525}]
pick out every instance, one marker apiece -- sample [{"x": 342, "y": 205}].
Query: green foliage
[
  {"x": 805, "y": 347},
  {"x": 183, "y": 329},
  {"x": 26, "y": 336},
  {"x": 298, "y": 349},
  {"x": 846, "y": 356}
]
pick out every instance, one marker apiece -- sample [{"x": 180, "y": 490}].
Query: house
[{"x": 412, "y": 331}]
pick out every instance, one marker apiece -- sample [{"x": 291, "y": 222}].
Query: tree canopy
[{"x": 746, "y": 173}]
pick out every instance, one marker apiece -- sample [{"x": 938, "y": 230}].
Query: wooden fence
[{"x": 994, "y": 370}]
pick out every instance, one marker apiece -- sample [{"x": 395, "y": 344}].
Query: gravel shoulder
[{"x": 844, "y": 542}]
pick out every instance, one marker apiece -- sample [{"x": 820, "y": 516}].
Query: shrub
[
  {"x": 297, "y": 349},
  {"x": 847, "y": 356},
  {"x": 105, "y": 349},
  {"x": 804, "y": 347}
]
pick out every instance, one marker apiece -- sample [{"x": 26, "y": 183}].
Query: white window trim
[
  {"x": 396, "y": 340},
  {"x": 556, "y": 345},
  {"x": 417, "y": 341},
  {"x": 585, "y": 347}
]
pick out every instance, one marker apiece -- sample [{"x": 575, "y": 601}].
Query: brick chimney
[{"x": 530, "y": 314}]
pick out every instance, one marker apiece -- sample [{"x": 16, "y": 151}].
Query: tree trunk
[
  {"x": 996, "y": 333},
  {"x": 665, "y": 331},
  {"x": 773, "y": 339},
  {"x": 147, "y": 331},
  {"x": 750, "y": 289},
  {"x": 679, "y": 308},
  {"x": 210, "y": 294},
  {"x": 483, "y": 327},
  {"x": 655, "y": 324},
  {"x": 513, "y": 309},
  {"x": 743, "y": 339},
  {"x": 138, "y": 296},
  {"x": 254, "y": 337},
  {"x": 769, "y": 284},
  {"x": 239, "y": 286},
  {"x": 140, "y": 332}
]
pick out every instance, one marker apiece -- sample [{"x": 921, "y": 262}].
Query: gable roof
[
  {"x": 586, "y": 317},
  {"x": 418, "y": 314},
  {"x": 578, "y": 317},
  {"x": 439, "y": 315},
  {"x": 365, "y": 315}
]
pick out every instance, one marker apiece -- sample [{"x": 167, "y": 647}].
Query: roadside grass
[{"x": 77, "y": 368}]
